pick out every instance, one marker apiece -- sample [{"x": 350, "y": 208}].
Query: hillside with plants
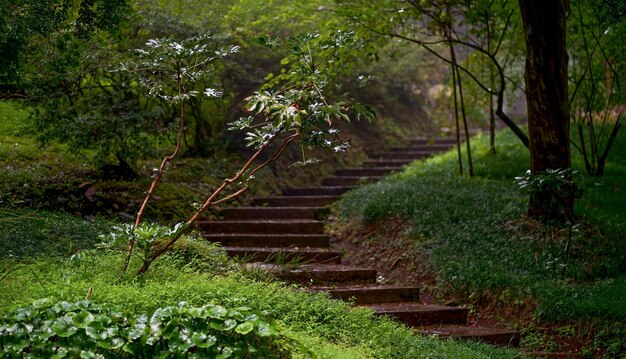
[{"x": 469, "y": 241}]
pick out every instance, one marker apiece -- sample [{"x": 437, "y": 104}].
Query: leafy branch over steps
[{"x": 292, "y": 106}]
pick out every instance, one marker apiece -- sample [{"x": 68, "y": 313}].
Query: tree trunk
[{"x": 547, "y": 97}]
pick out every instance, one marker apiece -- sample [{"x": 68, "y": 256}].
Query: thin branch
[
  {"x": 506, "y": 27},
  {"x": 210, "y": 201},
  {"x": 157, "y": 177}
]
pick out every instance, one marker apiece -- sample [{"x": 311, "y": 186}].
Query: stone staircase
[{"x": 285, "y": 235}]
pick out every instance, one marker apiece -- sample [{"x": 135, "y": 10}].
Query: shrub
[{"x": 89, "y": 330}]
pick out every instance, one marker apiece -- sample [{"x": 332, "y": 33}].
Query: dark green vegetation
[
  {"x": 199, "y": 274},
  {"x": 475, "y": 238},
  {"x": 87, "y": 329}
]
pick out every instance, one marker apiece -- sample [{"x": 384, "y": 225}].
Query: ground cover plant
[
  {"x": 476, "y": 240},
  {"x": 201, "y": 276}
]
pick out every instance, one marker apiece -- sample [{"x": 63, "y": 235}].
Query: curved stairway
[{"x": 285, "y": 235}]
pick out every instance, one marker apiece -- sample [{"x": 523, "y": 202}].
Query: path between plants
[{"x": 285, "y": 235}]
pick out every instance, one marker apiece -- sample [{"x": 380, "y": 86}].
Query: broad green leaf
[
  {"x": 226, "y": 353},
  {"x": 235, "y": 314},
  {"x": 82, "y": 319},
  {"x": 23, "y": 314},
  {"x": 132, "y": 348},
  {"x": 229, "y": 324},
  {"x": 179, "y": 346},
  {"x": 63, "y": 307},
  {"x": 197, "y": 312},
  {"x": 42, "y": 303},
  {"x": 216, "y": 312},
  {"x": 244, "y": 328},
  {"x": 60, "y": 353},
  {"x": 64, "y": 327},
  {"x": 171, "y": 329},
  {"x": 17, "y": 346},
  {"x": 137, "y": 331},
  {"x": 265, "y": 330},
  {"x": 85, "y": 354},
  {"x": 202, "y": 340},
  {"x": 114, "y": 343},
  {"x": 99, "y": 331}
]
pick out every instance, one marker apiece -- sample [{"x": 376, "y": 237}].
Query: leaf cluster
[
  {"x": 169, "y": 68},
  {"x": 146, "y": 236},
  {"x": 300, "y": 105},
  {"x": 89, "y": 330},
  {"x": 565, "y": 181}
]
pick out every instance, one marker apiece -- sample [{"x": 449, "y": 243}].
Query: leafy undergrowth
[
  {"x": 471, "y": 235},
  {"x": 200, "y": 275},
  {"x": 54, "y": 177},
  {"x": 57, "y": 177}
]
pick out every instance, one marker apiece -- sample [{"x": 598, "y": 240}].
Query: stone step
[
  {"x": 347, "y": 180},
  {"x": 404, "y": 155},
  {"x": 295, "y": 201},
  {"x": 370, "y": 294},
  {"x": 424, "y": 148},
  {"x": 283, "y": 255},
  {"x": 270, "y": 240},
  {"x": 265, "y": 226},
  {"x": 494, "y": 336},
  {"x": 367, "y": 171},
  {"x": 317, "y": 191},
  {"x": 321, "y": 273},
  {"x": 387, "y": 163},
  {"x": 417, "y": 314},
  {"x": 234, "y": 213},
  {"x": 431, "y": 141}
]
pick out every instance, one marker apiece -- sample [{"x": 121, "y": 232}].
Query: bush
[{"x": 89, "y": 330}]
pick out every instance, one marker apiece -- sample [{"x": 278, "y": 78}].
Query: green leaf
[
  {"x": 82, "y": 319},
  {"x": 215, "y": 311},
  {"x": 90, "y": 355},
  {"x": 43, "y": 334},
  {"x": 171, "y": 329},
  {"x": 229, "y": 324},
  {"x": 63, "y": 307},
  {"x": 98, "y": 331},
  {"x": 42, "y": 303},
  {"x": 197, "y": 312},
  {"x": 114, "y": 343},
  {"x": 265, "y": 330},
  {"x": 226, "y": 353},
  {"x": 202, "y": 340},
  {"x": 244, "y": 328},
  {"x": 180, "y": 345},
  {"x": 23, "y": 314},
  {"x": 60, "y": 353},
  {"x": 64, "y": 327},
  {"x": 132, "y": 348}
]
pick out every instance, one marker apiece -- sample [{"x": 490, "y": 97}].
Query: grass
[
  {"x": 34, "y": 233},
  {"x": 330, "y": 327},
  {"x": 475, "y": 237}
]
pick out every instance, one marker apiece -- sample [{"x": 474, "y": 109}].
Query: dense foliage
[
  {"x": 88, "y": 330},
  {"x": 473, "y": 236}
]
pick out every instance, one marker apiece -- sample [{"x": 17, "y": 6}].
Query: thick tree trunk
[{"x": 548, "y": 105}]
